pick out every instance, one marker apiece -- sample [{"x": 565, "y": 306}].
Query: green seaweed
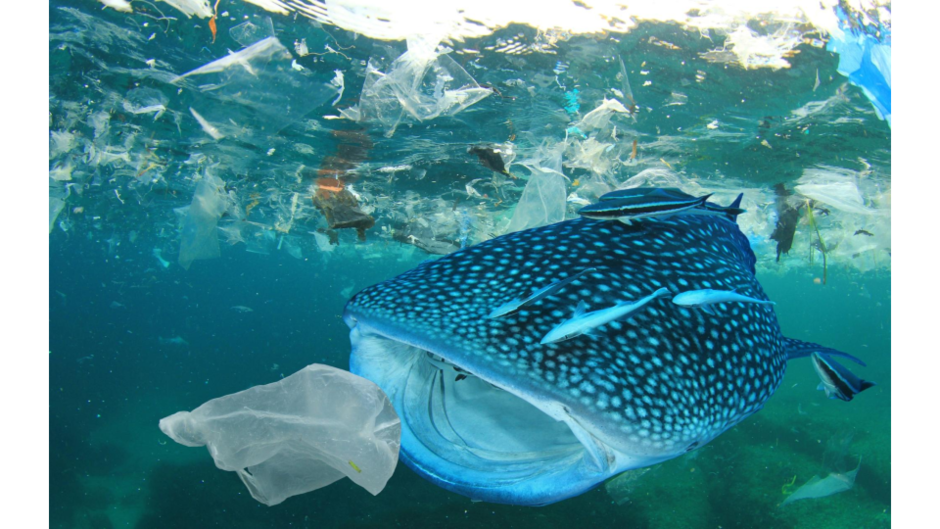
[
  {"x": 822, "y": 245},
  {"x": 788, "y": 487}
]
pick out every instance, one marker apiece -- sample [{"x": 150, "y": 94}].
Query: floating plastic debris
[
  {"x": 255, "y": 92},
  {"x": 198, "y": 236},
  {"x": 298, "y": 434},
  {"x": 199, "y": 8},
  {"x": 817, "y": 487},
  {"x": 544, "y": 200},
  {"x": 422, "y": 84}
]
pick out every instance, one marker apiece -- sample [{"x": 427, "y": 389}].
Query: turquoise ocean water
[{"x": 153, "y": 312}]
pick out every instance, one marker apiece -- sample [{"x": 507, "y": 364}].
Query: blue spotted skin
[{"x": 664, "y": 381}]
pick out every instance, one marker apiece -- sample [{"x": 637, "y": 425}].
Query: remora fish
[
  {"x": 705, "y": 297},
  {"x": 628, "y": 208},
  {"x": 535, "y": 424},
  {"x": 649, "y": 195},
  {"x": 582, "y": 322},
  {"x": 516, "y": 304},
  {"x": 837, "y": 381}
]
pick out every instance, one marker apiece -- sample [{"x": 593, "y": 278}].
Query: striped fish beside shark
[
  {"x": 628, "y": 205},
  {"x": 529, "y": 368}
]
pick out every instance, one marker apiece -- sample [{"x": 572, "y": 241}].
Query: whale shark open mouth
[{"x": 473, "y": 434}]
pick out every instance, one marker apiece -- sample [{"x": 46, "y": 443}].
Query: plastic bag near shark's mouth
[
  {"x": 298, "y": 434},
  {"x": 479, "y": 437}
]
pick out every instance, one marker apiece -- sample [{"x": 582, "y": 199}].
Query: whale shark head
[{"x": 489, "y": 412}]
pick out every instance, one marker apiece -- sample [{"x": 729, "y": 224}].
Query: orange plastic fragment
[{"x": 213, "y": 28}]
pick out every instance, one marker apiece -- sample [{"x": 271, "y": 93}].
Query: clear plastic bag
[{"x": 297, "y": 435}]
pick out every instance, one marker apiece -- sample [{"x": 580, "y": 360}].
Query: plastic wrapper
[{"x": 297, "y": 435}]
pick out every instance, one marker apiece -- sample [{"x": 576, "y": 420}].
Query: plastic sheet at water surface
[
  {"x": 297, "y": 435},
  {"x": 421, "y": 84},
  {"x": 254, "y": 92},
  {"x": 865, "y": 58}
]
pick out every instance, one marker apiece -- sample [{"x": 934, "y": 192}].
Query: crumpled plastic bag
[
  {"x": 600, "y": 117},
  {"x": 834, "y": 186},
  {"x": 544, "y": 200},
  {"x": 299, "y": 434},
  {"x": 423, "y": 83}
]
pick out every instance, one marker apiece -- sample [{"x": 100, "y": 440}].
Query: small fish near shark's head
[{"x": 489, "y": 412}]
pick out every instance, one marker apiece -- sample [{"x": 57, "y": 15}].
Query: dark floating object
[
  {"x": 341, "y": 210},
  {"x": 788, "y": 214},
  {"x": 864, "y": 232},
  {"x": 490, "y": 158}
]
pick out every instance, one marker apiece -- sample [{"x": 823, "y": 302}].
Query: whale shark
[{"x": 489, "y": 412}]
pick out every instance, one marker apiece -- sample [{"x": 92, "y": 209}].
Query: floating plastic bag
[
  {"x": 299, "y": 434},
  {"x": 421, "y": 83},
  {"x": 544, "y": 199},
  {"x": 199, "y": 238},
  {"x": 835, "y": 187},
  {"x": 600, "y": 117},
  {"x": 867, "y": 63},
  {"x": 817, "y": 487}
]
